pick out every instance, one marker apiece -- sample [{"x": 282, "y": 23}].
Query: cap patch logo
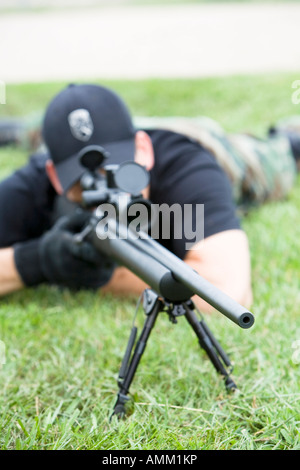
[{"x": 81, "y": 124}]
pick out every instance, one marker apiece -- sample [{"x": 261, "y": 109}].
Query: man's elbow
[{"x": 241, "y": 294}]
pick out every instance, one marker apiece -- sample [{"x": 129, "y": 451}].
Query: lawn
[{"x": 63, "y": 350}]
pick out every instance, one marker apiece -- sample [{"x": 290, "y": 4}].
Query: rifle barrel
[{"x": 152, "y": 262}]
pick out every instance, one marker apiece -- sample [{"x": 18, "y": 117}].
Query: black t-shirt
[{"x": 184, "y": 173}]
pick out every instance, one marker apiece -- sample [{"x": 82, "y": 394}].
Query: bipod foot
[
  {"x": 230, "y": 384},
  {"x": 119, "y": 409}
]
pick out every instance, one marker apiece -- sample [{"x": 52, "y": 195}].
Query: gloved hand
[{"x": 63, "y": 261}]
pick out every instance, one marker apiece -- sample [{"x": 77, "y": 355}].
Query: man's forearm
[{"x": 10, "y": 280}]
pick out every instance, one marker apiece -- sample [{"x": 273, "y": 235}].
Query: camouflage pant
[{"x": 259, "y": 170}]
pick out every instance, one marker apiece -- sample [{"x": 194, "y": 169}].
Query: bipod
[{"x": 153, "y": 305}]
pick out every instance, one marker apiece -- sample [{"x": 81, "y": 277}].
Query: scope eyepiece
[{"x": 92, "y": 157}]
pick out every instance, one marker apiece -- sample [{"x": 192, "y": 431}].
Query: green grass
[{"x": 63, "y": 350}]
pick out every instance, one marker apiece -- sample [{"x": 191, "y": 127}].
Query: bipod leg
[
  {"x": 152, "y": 307},
  {"x": 211, "y": 346}
]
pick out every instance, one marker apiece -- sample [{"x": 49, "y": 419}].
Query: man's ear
[
  {"x": 144, "y": 153},
  {"x": 52, "y": 175}
]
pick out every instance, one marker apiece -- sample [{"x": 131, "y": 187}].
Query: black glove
[{"x": 58, "y": 259}]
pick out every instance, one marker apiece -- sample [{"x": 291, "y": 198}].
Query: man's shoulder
[
  {"x": 37, "y": 162},
  {"x": 33, "y": 172},
  {"x": 160, "y": 136},
  {"x": 30, "y": 180},
  {"x": 177, "y": 151},
  {"x": 26, "y": 199}
]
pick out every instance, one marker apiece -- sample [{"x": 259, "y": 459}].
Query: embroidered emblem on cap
[{"x": 81, "y": 124}]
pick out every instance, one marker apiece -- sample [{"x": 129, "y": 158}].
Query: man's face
[
  {"x": 74, "y": 194},
  {"x": 144, "y": 156}
]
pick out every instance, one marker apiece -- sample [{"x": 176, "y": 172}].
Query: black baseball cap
[{"x": 86, "y": 116}]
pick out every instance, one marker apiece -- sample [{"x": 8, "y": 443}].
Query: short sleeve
[
  {"x": 208, "y": 207},
  {"x": 25, "y": 203},
  {"x": 187, "y": 175},
  {"x": 16, "y": 211}
]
